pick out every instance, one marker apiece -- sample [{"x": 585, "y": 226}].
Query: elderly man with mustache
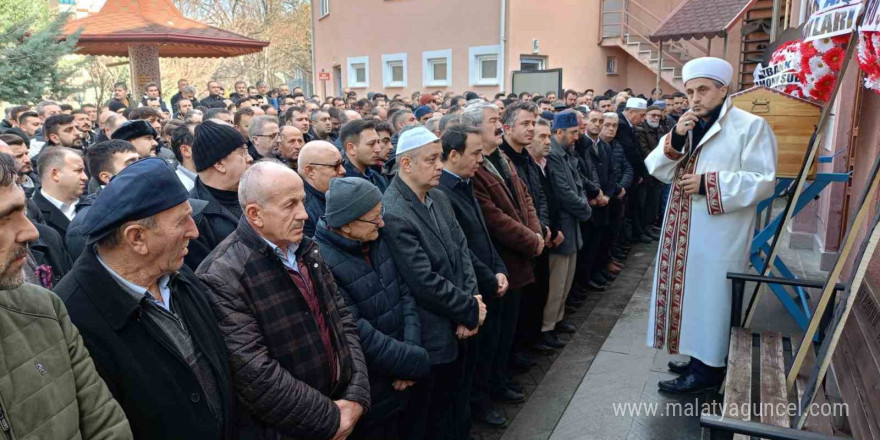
[
  {"x": 294, "y": 348},
  {"x": 143, "y": 315}
]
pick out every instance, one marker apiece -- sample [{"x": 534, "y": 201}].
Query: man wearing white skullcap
[
  {"x": 429, "y": 247},
  {"x": 721, "y": 161}
]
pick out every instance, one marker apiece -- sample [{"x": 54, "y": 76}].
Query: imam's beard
[
  {"x": 653, "y": 124},
  {"x": 12, "y": 279}
]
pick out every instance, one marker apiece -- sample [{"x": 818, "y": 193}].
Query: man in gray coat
[
  {"x": 574, "y": 208},
  {"x": 429, "y": 247}
]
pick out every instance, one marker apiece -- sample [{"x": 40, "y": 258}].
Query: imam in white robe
[{"x": 706, "y": 236}]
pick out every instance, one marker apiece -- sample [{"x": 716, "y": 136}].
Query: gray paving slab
[{"x": 539, "y": 416}]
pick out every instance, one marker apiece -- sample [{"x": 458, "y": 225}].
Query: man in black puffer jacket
[{"x": 366, "y": 276}]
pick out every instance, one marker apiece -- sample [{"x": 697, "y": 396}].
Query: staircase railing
[{"x": 621, "y": 22}]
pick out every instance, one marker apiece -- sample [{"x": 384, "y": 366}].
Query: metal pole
[
  {"x": 659, "y": 64},
  {"x": 774, "y": 22},
  {"x": 709, "y": 49}
]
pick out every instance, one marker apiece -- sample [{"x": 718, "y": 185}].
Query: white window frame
[
  {"x": 324, "y": 8},
  {"x": 387, "y": 78},
  {"x": 611, "y": 67},
  {"x": 352, "y": 77},
  {"x": 428, "y": 69},
  {"x": 539, "y": 60},
  {"x": 477, "y": 54}
]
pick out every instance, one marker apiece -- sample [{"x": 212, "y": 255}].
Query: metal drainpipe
[
  {"x": 312, "y": 50},
  {"x": 503, "y": 45}
]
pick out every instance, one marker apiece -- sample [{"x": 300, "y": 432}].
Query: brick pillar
[{"x": 143, "y": 59}]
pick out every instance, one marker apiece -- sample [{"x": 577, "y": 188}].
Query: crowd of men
[{"x": 264, "y": 264}]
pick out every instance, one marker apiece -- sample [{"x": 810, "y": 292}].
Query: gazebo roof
[{"x": 121, "y": 23}]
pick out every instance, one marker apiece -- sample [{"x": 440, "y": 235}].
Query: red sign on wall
[{"x": 323, "y": 76}]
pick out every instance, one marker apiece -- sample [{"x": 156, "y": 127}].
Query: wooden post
[
  {"x": 143, "y": 60},
  {"x": 774, "y": 21},
  {"x": 724, "y": 53},
  {"x": 659, "y": 64},
  {"x": 709, "y": 48}
]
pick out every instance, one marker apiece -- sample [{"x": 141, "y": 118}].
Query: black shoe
[
  {"x": 570, "y": 309},
  {"x": 550, "y": 339},
  {"x": 508, "y": 395},
  {"x": 652, "y": 234},
  {"x": 566, "y": 327},
  {"x": 543, "y": 348},
  {"x": 579, "y": 296},
  {"x": 679, "y": 367},
  {"x": 595, "y": 287},
  {"x": 645, "y": 239},
  {"x": 686, "y": 384},
  {"x": 493, "y": 418},
  {"x": 512, "y": 384},
  {"x": 608, "y": 275},
  {"x": 599, "y": 279},
  {"x": 520, "y": 363},
  {"x": 619, "y": 256}
]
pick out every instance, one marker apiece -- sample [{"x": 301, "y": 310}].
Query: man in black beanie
[{"x": 221, "y": 156}]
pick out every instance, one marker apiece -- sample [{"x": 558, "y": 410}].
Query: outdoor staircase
[
  {"x": 647, "y": 53},
  {"x": 628, "y": 24}
]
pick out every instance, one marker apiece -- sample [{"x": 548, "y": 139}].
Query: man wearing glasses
[
  {"x": 319, "y": 162},
  {"x": 263, "y": 132},
  {"x": 649, "y": 134}
]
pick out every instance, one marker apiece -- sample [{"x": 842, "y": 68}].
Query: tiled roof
[
  {"x": 121, "y": 23},
  {"x": 695, "y": 19}
]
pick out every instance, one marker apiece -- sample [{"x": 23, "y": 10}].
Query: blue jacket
[
  {"x": 386, "y": 316},
  {"x": 316, "y": 204}
]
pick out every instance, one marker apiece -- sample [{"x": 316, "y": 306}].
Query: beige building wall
[
  {"x": 358, "y": 28},
  {"x": 567, "y": 34}
]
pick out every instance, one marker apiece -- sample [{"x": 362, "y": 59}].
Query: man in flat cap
[
  {"x": 141, "y": 134},
  {"x": 425, "y": 239},
  {"x": 721, "y": 162},
  {"x": 220, "y": 154},
  {"x": 145, "y": 317},
  {"x": 293, "y": 345},
  {"x": 574, "y": 208}
]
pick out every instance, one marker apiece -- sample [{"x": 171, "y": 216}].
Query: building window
[
  {"x": 325, "y": 7},
  {"x": 394, "y": 70},
  {"x": 359, "y": 72},
  {"x": 611, "y": 66},
  {"x": 485, "y": 65},
  {"x": 437, "y": 68},
  {"x": 532, "y": 63}
]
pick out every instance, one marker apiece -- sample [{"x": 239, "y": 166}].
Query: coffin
[{"x": 793, "y": 120}]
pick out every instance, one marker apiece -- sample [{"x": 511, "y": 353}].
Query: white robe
[{"x": 704, "y": 237}]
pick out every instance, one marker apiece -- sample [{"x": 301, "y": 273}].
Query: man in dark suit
[
  {"x": 462, "y": 156},
  {"x": 630, "y": 118},
  {"x": 428, "y": 244},
  {"x": 63, "y": 177}
]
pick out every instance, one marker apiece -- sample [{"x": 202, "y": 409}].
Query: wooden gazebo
[{"x": 144, "y": 30}]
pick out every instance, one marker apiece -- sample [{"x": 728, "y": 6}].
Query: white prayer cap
[
  {"x": 636, "y": 103},
  {"x": 413, "y": 138},
  {"x": 707, "y": 67}
]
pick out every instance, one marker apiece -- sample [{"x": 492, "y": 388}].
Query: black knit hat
[{"x": 214, "y": 141}]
